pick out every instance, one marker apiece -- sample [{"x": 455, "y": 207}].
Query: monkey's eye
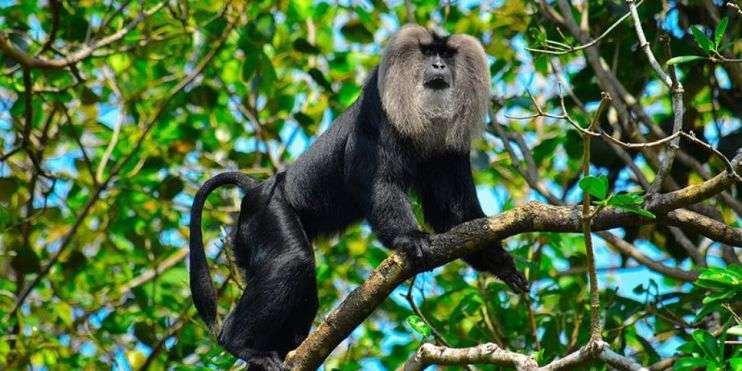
[
  {"x": 447, "y": 52},
  {"x": 427, "y": 50}
]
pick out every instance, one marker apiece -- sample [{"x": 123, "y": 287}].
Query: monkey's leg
[
  {"x": 276, "y": 310},
  {"x": 496, "y": 260}
]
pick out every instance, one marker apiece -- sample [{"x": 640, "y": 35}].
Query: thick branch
[
  {"x": 665, "y": 202},
  {"x": 695, "y": 222},
  {"x": 489, "y": 353}
]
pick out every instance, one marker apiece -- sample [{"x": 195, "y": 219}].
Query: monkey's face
[
  {"x": 436, "y": 80},
  {"x": 434, "y": 88}
]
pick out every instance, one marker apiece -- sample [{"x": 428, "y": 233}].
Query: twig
[
  {"x": 566, "y": 49},
  {"x": 107, "y": 20},
  {"x": 677, "y": 100},
  {"x": 597, "y": 132},
  {"x": 630, "y": 250},
  {"x": 587, "y": 217},
  {"x": 110, "y": 79},
  {"x": 410, "y": 300},
  {"x": 54, "y": 6},
  {"x": 644, "y": 45},
  {"x": 614, "y": 242},
  {"x": 85, "y": 157}
]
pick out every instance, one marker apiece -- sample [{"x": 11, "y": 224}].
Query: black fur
[{"x": 360, "y": 168}]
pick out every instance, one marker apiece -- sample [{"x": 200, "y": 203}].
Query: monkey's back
[{"x": 315, "y": 183}]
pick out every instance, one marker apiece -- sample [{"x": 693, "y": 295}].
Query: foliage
[{"x": 100, "y": 163}]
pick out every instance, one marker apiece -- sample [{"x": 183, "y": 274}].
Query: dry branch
[{"x": 490, "y": 353}]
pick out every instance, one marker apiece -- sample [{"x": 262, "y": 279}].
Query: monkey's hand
[
  {"x": 417, "y": 248},
  {"x": 497, "y": 261}
]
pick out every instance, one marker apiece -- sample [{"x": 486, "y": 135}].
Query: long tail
[{"x": 202, "y": 289}]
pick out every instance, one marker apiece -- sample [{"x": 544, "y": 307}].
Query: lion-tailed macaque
[{"x": 410, "y": 129}]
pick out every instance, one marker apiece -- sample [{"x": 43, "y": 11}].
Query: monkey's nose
[{"x": 438, "y": 64}]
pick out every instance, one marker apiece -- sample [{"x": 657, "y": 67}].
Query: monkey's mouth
[{"x": 437, "y": 83}]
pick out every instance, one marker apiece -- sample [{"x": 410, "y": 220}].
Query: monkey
[{"x": 409, "y": 130}]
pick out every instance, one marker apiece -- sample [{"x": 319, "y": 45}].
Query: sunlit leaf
[
  {"x": 684, "y": 59},
  {"x": 701, "y": 39},
  {"x": 417, "y": 324},
  {"x": 707, "y": 343},
  {"x": 689, "y": 364},
  {"x": 597, "y": 186},
  {"x": 721, "y": 28}
]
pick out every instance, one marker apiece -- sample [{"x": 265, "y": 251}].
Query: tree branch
[{"x": 490, "y": 353}]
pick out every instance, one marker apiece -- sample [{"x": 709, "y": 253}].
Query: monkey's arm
[
  {"x": 450, "y": 198},
  {"x": 377, "y": 178},
  {"x": 390, "y": 214}
]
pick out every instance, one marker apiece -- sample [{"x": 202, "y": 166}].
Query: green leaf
[
  {"x": 355, "y": 31},
  {"x": 631, "y": 202},
  {"x": 719, "y": 296},
  {"x": 25, "y": 260},
  {"x": 203, "y": 96},
  {"x": 736, "y": 363},
  {"x": 707, "y": 343},
  {"x": 348, "y": 93},
  {"x": 250, "y": 65},
  {"x": 689, "y": 364},
  {"x": 597, "y": 186},
  {"x": 302, "y": 45},
  {"x": 683, "y": 59},
  {"x": 418, "y": 325},
  {"x": 546, "y": 149},
  {"x": 170, "y": 187},
  {"x": 719, "y": 278},
  {"x": 303, "y": 119},
  {"x": 299, "y": 9},
  {"x": 319, "y": 78},
  {"x": 64, "y": 312},
  {"x": 719, "y": 32},
  {"x": 626, "y": 199},
  {"x": 8, "y": 186},
  {"x": 5, "y": 217},
  {"x": 701, "y": 39}
]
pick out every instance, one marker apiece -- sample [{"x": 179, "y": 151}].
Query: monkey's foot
[
  {"x": 417, "y": 249},
  {"x": 269, "y": 362},
  {"x": 514, "y": 278},
  {"x": 497, "y": 261}
]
